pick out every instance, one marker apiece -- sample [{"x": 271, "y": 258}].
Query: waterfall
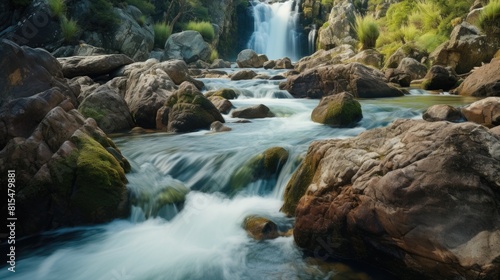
[
  {"x": 276, "y": 29},
  {"x": 313, "y": 34}
]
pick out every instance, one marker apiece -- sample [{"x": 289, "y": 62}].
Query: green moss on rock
[
  {"x": 225, "y": 93},
  {"x": 340, "y": 110}
]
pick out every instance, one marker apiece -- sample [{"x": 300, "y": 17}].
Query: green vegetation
[
  {"x": 69, "y": 28},
  {"x": 214, "y": 54},
  {"x": 142, "y": 20},
  {"x": 145, "y": 6},
  {"x": 101, "y": 16},
  {"x": 205, "y": 28},
  {"x": 367, "y": 31},
  {"x": 57, "y": 7},
  {"x": 21, "y": 3},
  {"x": 490, "y": 16},
  {"x": 162, "y": 32}
]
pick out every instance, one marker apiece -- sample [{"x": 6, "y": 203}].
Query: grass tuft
[
  {"x": 204, "y": 27},
  {"x": 162, "y": 32},
  {"x": 367, "y": 31}
]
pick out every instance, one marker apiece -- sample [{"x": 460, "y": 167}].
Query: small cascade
[
  {"x": 276, "y": 29},
  {"x": 313, "y": 34}
]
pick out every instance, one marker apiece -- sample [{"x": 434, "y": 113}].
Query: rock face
[
  {"x": 92, "y": 66},
  {"x": 187, "y": 109},
  {"x": 68, "y": 172},
  {"x": 249, "y": 59},
  {"x": 440, "y": 77},
  {"x": 419, "y": 199},
  {"x": 484, "y": 81},
  {"x": 369, "y": 57},
  {"x": 340, "y": 29},
  {"x": 333, "y": 56},
  {"x": 485, "y": 111},
  {"x": 339, "y": 110},
  {"x": 466, "y": 49},
  {"x": 187, "y": 45},
  {"x": 358, "y": 79},
  {"x": 413, "y": 68},
  {"x": 254, "y": 112}
]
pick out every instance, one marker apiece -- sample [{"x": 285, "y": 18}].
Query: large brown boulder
[
  {"x": 92, "y": 66},
  {"x": 485, "y": 111},
  {"x": 442, "y": 112},
  {"x": 466, "y": 49},
  {"x": 187, "y": 109},
  {"x": 339, "y": 110},
  {"x": 322, "y": 57},
  {"x": 419, "y": 199},
  {"x": 360, "y": 80},
  {"x": 249, "y": 59},
  {"x": 253, "y": 112},
  {"x": 188, "y": 46},
  {"x": 440, "y": 77},
  {"x": 484, "y": 81},
  {"x": 412, "y": 67},
  {"x": 68, "y": 172}
]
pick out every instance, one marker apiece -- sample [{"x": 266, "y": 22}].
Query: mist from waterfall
[{"x": 276, "y": 31}]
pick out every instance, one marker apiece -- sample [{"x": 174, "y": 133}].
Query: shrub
[
  {"x": 69, "y": 28},
  {"x": 57, "y": 7},
  {"x": 430, "y": 41},
  {"x": 162, "y": 32},
  {"x": 144, "y": 5},
  {"x": 101, "y": 16},
  {"x": 367, "y": 31},
  {"x": 490, "y": 16},
  {"x": 142, "y": 20},
  {"x": 204, "y": 27},
  {"x": 213, "y": 55}
]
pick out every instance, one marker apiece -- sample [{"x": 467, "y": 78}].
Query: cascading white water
[
  {"x": 311, "y": 39},
  {"x": 275, "y": 29}
]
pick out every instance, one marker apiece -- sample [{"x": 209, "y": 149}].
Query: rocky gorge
[{"x": 342, "y": 156}]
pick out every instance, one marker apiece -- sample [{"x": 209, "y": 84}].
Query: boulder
[
  {"x": 413, "y": 68},
  {"x": 217, "y": 126},
  {"x": 333, "y": 56},
  {"x": 440, "y": 77},
  {"x": 25, "y": 71},
  {"x": 223, "y": 105},
  {"x": 407, "y": 50},
  {"x": 283, "y": 63},
  {"x": 466, "y": 49},
  {"x": 92, "y": 66},
  {"x": 225, "y": 93},
  {"x": 398, "y": 77},
  {"x": 264, "y": 166},
  {"x": 187, "y": 45},
  {"x": 249, "y": 59},
  {"x": 154, "y": 198},
  {"x": 339, "y": 29},
  {"x": 108, "y": 108},
  {"x": 270, "y": 64},
  {"x": 361, "y": 81},
  {"x": 243, "y": 75},
  {"x": 68, "y": 172},
  {"x": 178, "y": 71},
  {"x": 417, "y": 198},
  {"x": 147, "y": 91},
  {"x": 485, "y": 111},
  {"x": 260, "y": 228},
  {"x": 339, "y": 110},
  {"x": 442, "y": 113},
  {"x": 253, "y": 112},
  {"x": 484, "y": 81},
  {"x": 369, "y": 57},
  {"x": 187, "y": 109}
]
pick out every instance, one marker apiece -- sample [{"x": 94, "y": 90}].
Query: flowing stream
[{"x": 202, "y": 237}]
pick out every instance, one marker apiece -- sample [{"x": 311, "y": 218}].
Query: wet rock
[
  {"x": 442, "y": 113},
  {"x": 484, "y": 81},
  {"x": 360, "y": 80},
  {"x": 243, "y": 75},
  {"x": 92, "y": 66},
  {"x": 440, "y": 77},
  {"x": 339, "y": 110},
  {"x": 223, "y": 105},
  {"x": 226, "y": 93},
  {"x": 220, "y": 63},
  {"x": 283, "y": 63},
  {"x": 187, "y": 109},
  {"x": 153, "y": 200},
  {"x": 260, "y": 228},
  {"x": 254, "y": 112},
  {"x": 485, "y": 111},
  {"x": 402, "y": 195},
  {"x": 270, "y": 64},
  {"x": 217, "y": 126}
]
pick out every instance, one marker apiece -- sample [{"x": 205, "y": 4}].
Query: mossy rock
[
  {"x": 340, "y": 110},
  {"x": 260, "y": 228},
  {"x": 263, "y": 166},
  {"x": 153, "y": 202},
  {"x": 225, "y": 93}
]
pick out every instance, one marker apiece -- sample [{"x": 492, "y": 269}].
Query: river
[{"x": 202, "y": 238}]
